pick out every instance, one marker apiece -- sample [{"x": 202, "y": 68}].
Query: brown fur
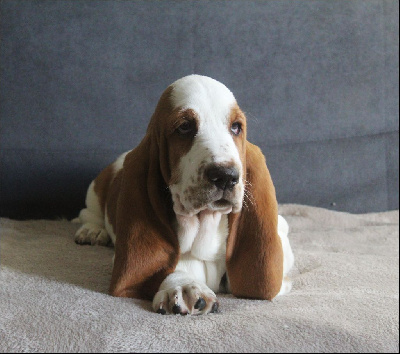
[
  {"x": 102, "y": 184},
  {"x": 146, "y": 249},
  {"x": 254, "y": 255},
  {"x": 139, "y": 208}
]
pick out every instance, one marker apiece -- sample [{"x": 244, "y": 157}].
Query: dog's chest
[{"x": 202, "y": 241}]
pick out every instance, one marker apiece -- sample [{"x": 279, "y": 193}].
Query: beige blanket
[{"x": 345, "y": 298}]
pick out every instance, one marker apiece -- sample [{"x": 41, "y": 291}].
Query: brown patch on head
[
  {"x": 163, "y": 109},
  {"x": 165, "y": 123},
  {"x": 179, "y": 144},
  {"x": 237, "y": 116}
]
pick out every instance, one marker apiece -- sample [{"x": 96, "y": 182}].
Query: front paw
[
  {"x": 91, "y": 234},
  {"x": 191, "y": 299}
]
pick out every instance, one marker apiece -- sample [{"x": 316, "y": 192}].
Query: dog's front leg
[{"x": 179, "y": 293}]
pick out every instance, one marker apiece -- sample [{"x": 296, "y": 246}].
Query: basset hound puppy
[{"x": 191, "y": 210}]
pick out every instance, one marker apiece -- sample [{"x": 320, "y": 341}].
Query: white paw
[
  {"x": 191, "y": 299},
  {"x": 286, "y": 286},
  {"x": 92, "y": 234}
]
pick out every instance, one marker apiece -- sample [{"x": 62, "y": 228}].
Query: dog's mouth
[
  {"x": 222, "y": 205},
  {"x": 224, "y": 202},
  {"x": 216, "y": 201}
]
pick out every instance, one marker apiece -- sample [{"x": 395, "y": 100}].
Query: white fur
[
  {"x": 92, "y": 230},
  {"x": 181, "y": 290},
  {"x": 119, "y": 163},
  {"x": 92, "y": 213},
  {"x": 96, "y": 228},
  {"x": 213, "y": 102},
  {"x": 205, "y": 258},
  {"x": 288, "y": 257}
]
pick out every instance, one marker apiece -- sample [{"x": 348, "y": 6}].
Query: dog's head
[{"x": 205, "y": 135}]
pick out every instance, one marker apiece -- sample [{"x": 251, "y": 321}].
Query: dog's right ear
[{"x": 146, "y": 248}]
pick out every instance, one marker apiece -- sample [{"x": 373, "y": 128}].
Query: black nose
[{"x": 223, "y": 177}]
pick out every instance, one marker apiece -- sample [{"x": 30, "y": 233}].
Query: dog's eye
[
  {"x": 236, "y": 128},
  {"x": 186, "y": 128}
]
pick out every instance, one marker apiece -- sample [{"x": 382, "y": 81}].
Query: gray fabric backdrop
[{"x": 317, "y": 79}]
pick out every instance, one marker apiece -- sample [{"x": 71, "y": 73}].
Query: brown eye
[
  {"x": 236, "y": 128},
  {"x": 188, "y": 127}
]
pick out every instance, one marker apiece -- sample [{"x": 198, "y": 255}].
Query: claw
[
  {"x": 200, "y": 304},
  {"x": 191, "y": 299},
  {"x": 215, "y": 307},
  {"x": 161, "y": 311},
  {"x": 176, "y": 309}
]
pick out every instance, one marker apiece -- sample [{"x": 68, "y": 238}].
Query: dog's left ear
[{"x": 254, "y": 256}]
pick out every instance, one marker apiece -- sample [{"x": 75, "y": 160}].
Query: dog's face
[{"x": 206, "y": 137}]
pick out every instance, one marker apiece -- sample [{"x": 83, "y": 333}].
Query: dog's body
[{"x": 192, "y": 203}]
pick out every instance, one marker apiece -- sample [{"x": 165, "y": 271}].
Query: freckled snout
[{"x": 223, "y": 177}]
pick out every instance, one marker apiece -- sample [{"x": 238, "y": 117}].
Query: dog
[{"x": 191, "y": 210}]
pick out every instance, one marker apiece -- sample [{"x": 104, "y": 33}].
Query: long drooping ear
[
  {"x": 146, "y": 249},
  {"x": 254, "y": 255}
]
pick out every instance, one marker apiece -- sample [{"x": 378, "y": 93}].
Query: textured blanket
[{"x": 345, "y": 297}]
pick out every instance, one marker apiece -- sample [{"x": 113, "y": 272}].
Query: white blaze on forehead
[
  {"x": 213, "y": 103},
  {"x": 211, "y": 99}
]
